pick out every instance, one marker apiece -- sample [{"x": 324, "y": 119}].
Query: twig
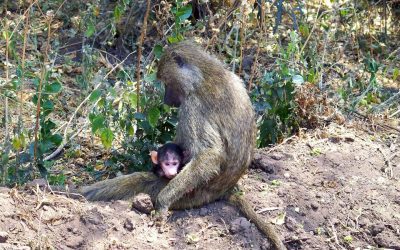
[
  {"x": 7, "y": 132},
  {"x": 242, "y": 39},
  {"x": 389, "y": 167},
  {"x": 323, "y": 60},
  {"x": 313, "y": 28},
  {"x": 268, "y": 209},
  {"x": 61, "y": 146},
  {"x": 367, "y": 118},
  {"x": 253, "y": 69},
  {"x": 236, "y": 27},
  {"x": 280, "y": 144},
  {"x": 236, "y": 4},
  {"x": 392, "y": 53},
  {"x": 19, "y": 21},
  {"x": 334, "y": 233},
  {"x": 226, "y": 228},
  {"x": 142, "y": 35},
  {"x": 39, "y": 95},
  {"x": 395, "y": 113},
  {"x": 387, "y": 102}
]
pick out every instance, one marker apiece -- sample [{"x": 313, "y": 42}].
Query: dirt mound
[{"x": 340, "y": 191}]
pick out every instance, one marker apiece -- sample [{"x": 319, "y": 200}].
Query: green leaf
[
  {"x": 4, "y": 159},
  {"x": 139, "y": 116},
  {"x": 95, "y": 95},
  {"x": 19, "y": 71},
  {"x": 18, "y": 142},
  {"x": 45, "y": 146},
  {"x": 16, "y": 83},
  {"x": 396, "y": 74},
  {"x": 150, "y": 77},
  {"x": 133, "y": 99},
  {"x": 158, "y": 51},
  {"x": 48, "y": 105},
  {"x": 297, "y": 79},
  {"x": 107, "y": 137},
  {"x": 348, "y": 239},
  {"x": 117, "y": 13},
  {"x": 184, "y": 13},
  {"x": 97, "y": 123},
  {"x": 36, "y": 82},
  {"x": 58, "y": 180},
  {"x": 153, "y": 116},
  {"x": 53, "y": 88},
  {"x": 90, "y": 29},
  {"x": 173, "y": 39},
  {"x": 56, "y": 139}
]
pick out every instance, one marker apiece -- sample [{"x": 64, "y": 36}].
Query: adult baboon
[{"x": 216, "y": 127}]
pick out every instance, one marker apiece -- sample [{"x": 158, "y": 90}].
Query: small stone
[
  {"x": 314, "y": 205},
  {"x": 239, "y": 225},
  {"x": 277, "y": 156},
  {"x": 282, "y": 193},
  {"x": 203, "y": 211},
  {"x": 128, "y": 225},
  {"x": 335, "y": 139},
  {"x": 287, "y": 175},
  {"x": 349, "y": 138},
  {"x": 348, "y": 190},
  {"x": 363, "y": 222},
  {"x": 92, "y": 217},
  {"x": 397, "y": 200},
  {"x": 291, "y": 223},
  {"x": 73, "y": 230},
  {"x": 142, "y": 202},
  {"x": 387, "y": 240},
  {"x": 335, "y": 221},
  {"x": 3, "y": 237},
  {"x": 75, "y": 241},
  {"x": 377, "y": 229}
]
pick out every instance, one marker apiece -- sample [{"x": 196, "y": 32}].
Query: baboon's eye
[{"x": 178, "y": 59}]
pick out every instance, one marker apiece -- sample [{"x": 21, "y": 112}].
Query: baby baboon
[
  {"x": 216, "y": 127},
  {"x": 168, "y": 160}
]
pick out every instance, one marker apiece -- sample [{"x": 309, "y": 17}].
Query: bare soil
[{"x": 334, "y": 189}]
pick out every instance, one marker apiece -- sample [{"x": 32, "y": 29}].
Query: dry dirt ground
[{"x": 335, "y": 189}]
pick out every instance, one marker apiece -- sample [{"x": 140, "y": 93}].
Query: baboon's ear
[
  {"x": 153, "y": 155},
  {"x": 179, "y": 59}
]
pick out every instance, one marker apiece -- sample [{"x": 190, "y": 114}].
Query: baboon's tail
[
  {"x": 265, "y": 227},
  {"x": 124, "y": 187}
]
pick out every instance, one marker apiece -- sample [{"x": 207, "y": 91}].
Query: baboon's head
[{"x": 183, "y": 69}]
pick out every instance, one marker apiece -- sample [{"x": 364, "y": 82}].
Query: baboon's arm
[{"x": 199, "y": 170}]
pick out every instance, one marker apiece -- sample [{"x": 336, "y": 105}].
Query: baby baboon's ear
[
  {"x": 153, "y": 155},
  {"x": 179, "y": 59}
]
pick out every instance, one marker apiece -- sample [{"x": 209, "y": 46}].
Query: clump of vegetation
[{"x": 72, "y": 77}]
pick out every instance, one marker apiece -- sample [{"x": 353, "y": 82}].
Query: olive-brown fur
[{"x": 216, "y": 126}]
